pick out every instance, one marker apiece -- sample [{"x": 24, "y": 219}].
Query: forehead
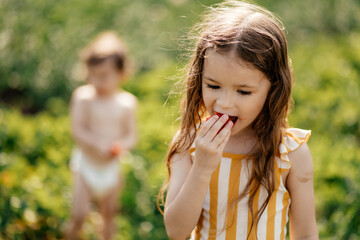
[{"x": 227, "y": 67}]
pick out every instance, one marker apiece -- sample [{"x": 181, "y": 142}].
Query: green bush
[
  {"x": 34, "y": 179},
  {"x": 327, "y": 96},
  {"x": 36, "y": 182}
]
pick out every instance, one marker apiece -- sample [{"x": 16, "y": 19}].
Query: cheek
[
  {"x": 251, "y": 107},
  {"x": 208, "y": 97},
  {"x": 258, "y": 106},
  {"x": 115, "y": 78}
]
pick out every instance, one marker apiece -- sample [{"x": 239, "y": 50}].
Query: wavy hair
[{"x": 257, "y": 37}]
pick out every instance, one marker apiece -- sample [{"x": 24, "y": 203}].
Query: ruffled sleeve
[
  {"x": 192, "y": 149},
  {"x": 292, "y": 139}
]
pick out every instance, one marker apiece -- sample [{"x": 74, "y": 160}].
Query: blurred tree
[{"x": 39, "y": 40}]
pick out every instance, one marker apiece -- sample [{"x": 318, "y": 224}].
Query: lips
[{"x": 231, "y": 118}]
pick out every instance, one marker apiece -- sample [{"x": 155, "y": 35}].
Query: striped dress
[{"x": 229, "y": 180}]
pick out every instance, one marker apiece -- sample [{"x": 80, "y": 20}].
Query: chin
[
  {"x": 234, "y": 131},
  {"x": 237, "y": 128}
]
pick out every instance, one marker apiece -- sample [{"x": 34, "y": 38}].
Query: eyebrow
[{"x": 239, "y": 85}]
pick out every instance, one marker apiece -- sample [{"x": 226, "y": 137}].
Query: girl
[
  {"x": 237, "y": 175},
  {"x": 103, "y": 123}
]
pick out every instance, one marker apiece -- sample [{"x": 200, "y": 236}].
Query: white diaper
[{"x": 100, "y": 178}]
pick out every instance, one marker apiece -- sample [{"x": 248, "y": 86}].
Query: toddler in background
[{"x": 103, "y": 126}]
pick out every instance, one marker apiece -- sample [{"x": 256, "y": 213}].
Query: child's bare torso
[{"x": 106, "y": 116}]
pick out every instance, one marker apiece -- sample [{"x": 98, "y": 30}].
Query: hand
[
  {"x": 103, "y": 150},
  {"x": 115, "y": 149},
  {"x": 210, "y": 143}
]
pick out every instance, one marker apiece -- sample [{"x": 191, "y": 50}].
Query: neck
[
  {"x": 245, "y": 133},
  {"x": 104, "y": 94}
]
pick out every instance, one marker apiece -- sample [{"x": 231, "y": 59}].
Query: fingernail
[{"x": 225, "y": 116}]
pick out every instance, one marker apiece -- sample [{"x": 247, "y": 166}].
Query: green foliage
[
  {"x": 40, "y": 41},
  {"x": 327, "y": 97},
  {"x": 36, "y": 182}
]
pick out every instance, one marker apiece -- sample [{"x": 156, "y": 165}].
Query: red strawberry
[
  {"x": 231, "y": 118},
  {"x": 115, "y": 149},
  {"x": 219, "y": 114}
]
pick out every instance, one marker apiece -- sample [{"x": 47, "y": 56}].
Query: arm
[
  {"x": 191, "y": 180},
  {"x": 88, "y": 141},
  {"x": 128, "y": 141},
  {"x": 181, "y": 215},
  {"x": 300, "y": 186}
]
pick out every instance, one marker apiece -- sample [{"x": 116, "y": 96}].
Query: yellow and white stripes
[{"x": 228, "y": 182}]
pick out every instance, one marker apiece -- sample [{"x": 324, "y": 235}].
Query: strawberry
[
  {"x": 115, "y": 149},
  {"x": 231, "y": 118}
]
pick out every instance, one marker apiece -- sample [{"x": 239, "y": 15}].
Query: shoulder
[
  {"x": 81, "y": 98},
  {"x": 292, "y": 140},
  {"x": 300, "y": 157},
  {"x": 295, "y": 140},
  {"x": 83, "y": 93},
  {"x": 127, "y": 99}
]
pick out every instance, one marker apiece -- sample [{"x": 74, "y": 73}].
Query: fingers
[
  {"x": 213, "y": 126},
  {"x": 216, "y": 129},
  {"x": 211, "y": 140},
  {"x": 223, "y": 135},
  {"x": 224, "y": 140},
  {"x": 207, "y": 125}
]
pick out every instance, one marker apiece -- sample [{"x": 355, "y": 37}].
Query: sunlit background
[{"x": 39, "y": 68}]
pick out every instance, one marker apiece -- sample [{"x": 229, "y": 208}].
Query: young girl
[
  {"x": 237, "y": 174},
  {"x": 103, "y": 123}
]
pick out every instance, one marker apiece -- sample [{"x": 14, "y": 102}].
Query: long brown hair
[{"x": 257, "y": 37}]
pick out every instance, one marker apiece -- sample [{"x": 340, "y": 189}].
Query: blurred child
[
  {"x": 236, "y": 169},
  {"x": 103, "y": 125}
]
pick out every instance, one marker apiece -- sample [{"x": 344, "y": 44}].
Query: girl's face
[
  {"x": 233, "y": 87},
  {"x": 105, "y": 77}
]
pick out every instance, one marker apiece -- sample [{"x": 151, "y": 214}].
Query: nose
[{"x": 225, "y": 100}]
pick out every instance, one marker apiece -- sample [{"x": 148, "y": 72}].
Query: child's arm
[
  {"x": 83, "y": 137},
  {"x": 185, "y": 197},
  {"x": 189, "y": 181},
  {"x": 300, "y": 186},
  {"x": 128, "y": 141}
]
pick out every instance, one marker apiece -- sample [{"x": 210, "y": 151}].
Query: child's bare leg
[
  {"x": 80, "y": 207},
  {"x": 108, "y": 207}
]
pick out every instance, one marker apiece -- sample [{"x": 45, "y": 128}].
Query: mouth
[{"x": 231, "y": 118}]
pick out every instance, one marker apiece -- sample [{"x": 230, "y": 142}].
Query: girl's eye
[
  {"x": 242, "y": 92},
  {"x": 212, "y": 86}
]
